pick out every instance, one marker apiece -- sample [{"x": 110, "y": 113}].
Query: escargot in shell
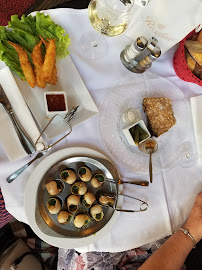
[
  {"x": 79, "y": 188},
  {"x": 97, "y": 180},
  {"x": 96, "y": 212},
  {"x": 88, "y": 199},
  {"x": 72, "y": 203},
  {"x": 54, "y": 206},
  {"x": 64, "y": 217},
  {"x": 85, "y": 173},
  {"x": 107, "y": 200},
  {"x": 81, "y": 220},
  {"x": 68, "y": 175},
  {"x": 54, "y": 187}
]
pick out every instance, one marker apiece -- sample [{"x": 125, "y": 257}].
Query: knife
[{"x": 24, "y": 138}]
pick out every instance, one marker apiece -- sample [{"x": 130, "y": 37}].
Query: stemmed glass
[
  {"x": 187, "y": 155},
  {"x": 109, "y": 18}
]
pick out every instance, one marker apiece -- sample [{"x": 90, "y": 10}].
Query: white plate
[
  {"x": 131, "y": 95},
  {"x": 34, "y": 218},
  {"x": 77, "y": 94}
]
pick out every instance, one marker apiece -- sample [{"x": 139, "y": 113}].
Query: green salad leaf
[
  {"x": 46, "y": 28},
  {"x": 26, "y": 32}
]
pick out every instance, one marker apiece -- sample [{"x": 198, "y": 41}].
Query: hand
[{"x": 194, "y": 221}]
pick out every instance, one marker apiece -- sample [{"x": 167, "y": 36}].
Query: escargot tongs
[{"x": 143, "y": 206}]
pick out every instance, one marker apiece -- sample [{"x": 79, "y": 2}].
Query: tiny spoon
[{"x": 150, "y": 147}]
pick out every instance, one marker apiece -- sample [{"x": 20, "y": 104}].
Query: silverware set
[{"x": 26, "y": 142}]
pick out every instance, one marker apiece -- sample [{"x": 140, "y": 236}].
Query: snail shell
[
  {"x": 72, "y": 203},
  {"x": 53, "y": 187},
  {"x": 79, "y": 188},
  {"x": 85, "y": 173},
  {"x": 88, "y": 199},
  {"x": 81, "y": 220},
  {"x": 96, "y": 212},
  {"x": 53, "y": 206},
  {"x": 107, "y": 200},
  {"x": 69, "y": 176},
  {"x": 97, "y": 180},
  {"x": 64, "y": 217}
]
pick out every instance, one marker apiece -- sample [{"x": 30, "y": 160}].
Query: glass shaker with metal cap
[
  {"x": 146, "y": 62},
  {"x": 128, "y": 55}
]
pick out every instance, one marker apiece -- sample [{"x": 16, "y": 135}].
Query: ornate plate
[{"x": 125, "y": 96}]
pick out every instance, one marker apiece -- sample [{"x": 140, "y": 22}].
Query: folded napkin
[
  {"x": 8, "y": 136},
  {"x": 197, "y": 121}
]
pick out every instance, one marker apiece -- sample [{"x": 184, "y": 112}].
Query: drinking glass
[
  {"x": 187, "y": 155},
  {"x": 109, "y": 18}
]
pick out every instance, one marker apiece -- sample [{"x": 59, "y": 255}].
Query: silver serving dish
[{"x": 96, "y": 166}]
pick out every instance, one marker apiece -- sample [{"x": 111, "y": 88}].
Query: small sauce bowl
[{"x": 55, "y": 103}]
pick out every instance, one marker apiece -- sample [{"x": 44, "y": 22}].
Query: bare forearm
[{"x": 171, "y": 255}]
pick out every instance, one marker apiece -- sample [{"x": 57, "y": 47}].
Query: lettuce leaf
[
  {"x": 46, "y": 28},
  {"x": 9, "y": 55}
]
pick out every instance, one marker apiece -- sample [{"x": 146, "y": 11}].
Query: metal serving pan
[{"x": 96, "y": 166}]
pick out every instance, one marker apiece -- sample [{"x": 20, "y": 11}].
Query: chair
[{"x": 5, "y": 216}]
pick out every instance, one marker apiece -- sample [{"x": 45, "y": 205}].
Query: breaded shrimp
[
  {"x": 53, "y": 79},
  {"x": 38, "y": 63},
  {"x": 25, "y": 64},
  {"x": 49, "y": 61}
]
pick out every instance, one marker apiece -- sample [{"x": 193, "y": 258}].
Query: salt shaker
[
  {"x": 131, "y": 51},
  {"x": 132, "y": 115}
]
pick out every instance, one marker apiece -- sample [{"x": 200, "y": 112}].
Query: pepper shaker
[
  {"x": 128, "y": 55},
  {"x": 146, "y": 62}
]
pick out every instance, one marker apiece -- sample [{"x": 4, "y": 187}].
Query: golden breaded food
[
  {"x": 53, "y": 79},
  {"x": 160, "y": 114},
  {"x": 25, "y": 64},
  {"x": 49, "y": 61},
  {"x": 38, "y": 63}
]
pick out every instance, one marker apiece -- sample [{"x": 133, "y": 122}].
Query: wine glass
[{"x": 109, "y": 18}]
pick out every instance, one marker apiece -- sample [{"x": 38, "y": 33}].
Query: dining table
[{"x": 171, "y": 195}]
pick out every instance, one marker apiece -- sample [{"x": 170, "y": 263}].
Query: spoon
[
  {"x": 150, "y": 147},
  {"x": 14, "y": 175}
]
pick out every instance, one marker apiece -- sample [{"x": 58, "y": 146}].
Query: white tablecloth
[{"x": 170, "y": 196}]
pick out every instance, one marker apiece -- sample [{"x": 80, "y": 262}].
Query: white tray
[{"x": 69, "y": 81}]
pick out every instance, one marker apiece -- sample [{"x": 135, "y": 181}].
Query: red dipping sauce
[{"x": 56, "y": 102}]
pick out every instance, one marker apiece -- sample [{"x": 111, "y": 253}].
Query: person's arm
[{"x": 172, "y": 254}]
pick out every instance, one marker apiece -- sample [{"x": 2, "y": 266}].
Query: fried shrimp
[
  {"x": 49, "y": 61},
  {"x": 25, "y": 64},
  {"x": 53, "y": 79},
  {"x": 38, "y": 63}
]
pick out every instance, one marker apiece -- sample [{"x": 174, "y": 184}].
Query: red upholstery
[
  {"x": 5, "y": 217},
  {"x": 8, "y": 8}
]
